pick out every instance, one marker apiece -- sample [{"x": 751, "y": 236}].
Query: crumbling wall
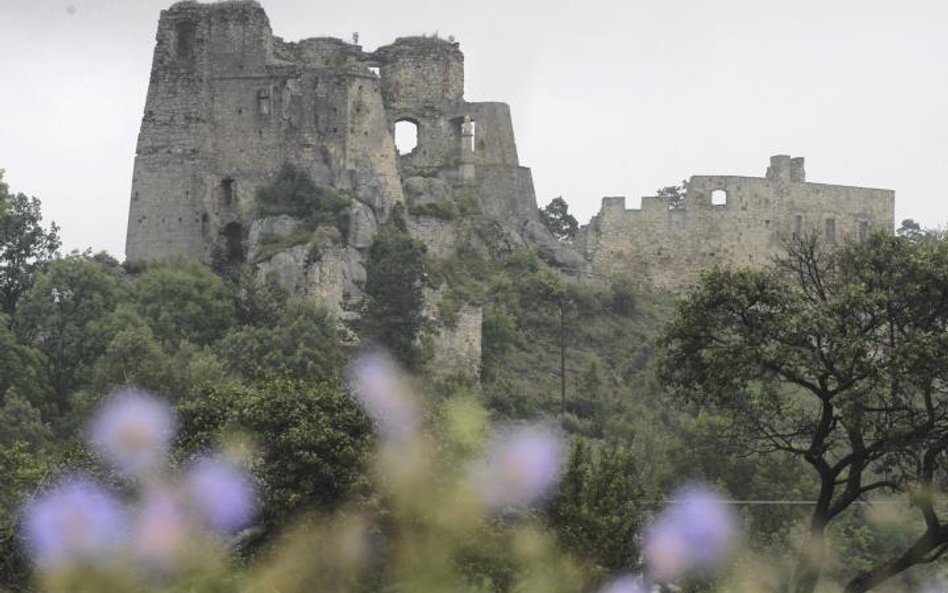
[{"x": 668, "y": 247}]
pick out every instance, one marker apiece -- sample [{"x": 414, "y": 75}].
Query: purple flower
[
  {"x": 694, "y": 534},
  {"x": 522, "y": 466},
  {"x": 75, "y": 522},
  {"x": 133, "y": 430},
  {"x": 161, "y": 530},
  {"x": 374, "y": 381},
  {"x": 221, "y": 494},
  {"x": 624, "y": 584}
]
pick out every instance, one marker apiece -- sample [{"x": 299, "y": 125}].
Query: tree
[
  {"x": 394, "y": 274},
  {"x": 184, "y": 300},
  {"x": 65, "y": 316},
  {"x": 838, "y": 358},
  {"x": 673, "y": 194},
  {"x": 304, "y": 343},
  {"x": 25, "y": 246},
  {"x": 557, "y": 219},
  {"x": 311, "y": 440},
  {"x": 601, "y": 505}
]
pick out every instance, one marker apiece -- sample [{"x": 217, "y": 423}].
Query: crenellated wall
[{"x": 728, "y": 220}]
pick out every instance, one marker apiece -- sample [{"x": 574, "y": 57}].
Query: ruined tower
[{"x": 229, "y": 103}]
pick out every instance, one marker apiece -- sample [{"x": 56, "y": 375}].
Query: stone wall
[{"x": 728, "y": 220}]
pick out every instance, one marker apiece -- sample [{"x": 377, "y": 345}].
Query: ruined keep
[
  {"x": 229, "y": 104},
  {"x": 730, "y": 221}
]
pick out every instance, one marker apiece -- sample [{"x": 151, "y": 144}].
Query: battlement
[{"x": 728, "y": 220}]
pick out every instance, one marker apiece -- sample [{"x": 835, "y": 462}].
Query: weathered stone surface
[
  {"x": 288, "y": 265},
  {"x": 422, "y": 191},
  {"x": 269, "y": 227},
  {"x": 728, "y": 220},
  {"x": 555, "y": 253},
  {"x": 362, "y": 226},
  {"x": 456, "y": 343}
]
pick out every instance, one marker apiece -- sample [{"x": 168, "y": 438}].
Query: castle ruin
[
  {"x": 730, "y": 221},
  {"x": 229, "y": 104}
]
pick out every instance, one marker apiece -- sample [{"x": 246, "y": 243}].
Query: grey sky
[{"x": 608, "y": 97}]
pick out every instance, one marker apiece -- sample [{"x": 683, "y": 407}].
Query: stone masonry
[{"x": 728, "y": 220}]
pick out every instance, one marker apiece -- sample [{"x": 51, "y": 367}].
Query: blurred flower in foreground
[
  {"x": 161, "y": 530},
  {"x": 522, "y": 466},
  {"x": 694, "y": 534},
  {"x": 375, "y": 382},
  {"x": 221, "y": 493},
  {"x": 75, "y": 522},
  {"x": 133, "y": 431},
  {"x": 624, "y": 584}
]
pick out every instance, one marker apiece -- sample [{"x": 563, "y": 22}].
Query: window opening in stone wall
[
  {"x": 263, "y": 102},
  {"x": 468, "y": 134},
  {"x": 227, "y": 189},
  {"x": 863, "y": 231},
  {"x": 233, "y": 243},
  {"x": 406, "y": 136},
  {"x": 184, "y": 40},
  {"x": 719, "y": 197},
  {"x": 797, "y": 226},
  {"x": 830, "y": 230},
  {"x": 375, "y": 70}
]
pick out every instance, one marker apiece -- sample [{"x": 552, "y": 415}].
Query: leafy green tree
[
  {"x": 557, "y": 219},
  {"x": 395, "y": 271},
  {"x": 134, "y": 356},
  {"x": 311, "y": 440},
  {"x": 601, "y": 506},
  {"x": 25, "y": 246},
  {"x": 839, "y": 359},
  {"x": 304, "y": 343},
  {"x": 184, "y": 300},
  {"x": 259, "y": 302},
  {"x": 22, "y": 470},
  {"x": 22, "y": 369},
  {"x": 65, "y": 316}
]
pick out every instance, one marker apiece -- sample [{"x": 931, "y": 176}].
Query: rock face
[{"x": 730, "y": 221}]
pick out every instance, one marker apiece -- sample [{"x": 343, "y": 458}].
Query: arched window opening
[
  {"x": 719, "y": 197},
  {"x": 406, "y": 136},
  {"x": 263, "y": 102}
]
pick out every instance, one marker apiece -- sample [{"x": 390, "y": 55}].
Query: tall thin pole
[{"x": 562, "y": 357}]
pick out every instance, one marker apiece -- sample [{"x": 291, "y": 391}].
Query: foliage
[
  {"x": 394, "y": 274},
  {"x": 184, "y": 300},
  {"x": 25, "y": 246},
  {"x": 303, "y": 343},
  {"x": 310, "y": 437},
  {"x": 674, "y": 195},
  {"x": 836, "y": 358},
  {"x": 293, "y": 193},
  {"x": 601, "y": 506},
  {"x": 65, "y": 316},
  {"x": 259, "y": 302},
  {"x": 556, "y": 218}
]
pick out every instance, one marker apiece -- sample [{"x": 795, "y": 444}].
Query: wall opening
[
  {"x": 719, "y": 197},
  {"x": 228, "y": 190},
  {"x": 830, "y": 230},
  {"x": 263, "y": 102},
  {"x": 233, "y": 236},
  {"x": 375, "y": 70},
  {"x": 863, "y": 231},
  {"x": 184, "y": 34},
  {"x": 797, "y": 226},
  {"x": 406, "y": 136}
]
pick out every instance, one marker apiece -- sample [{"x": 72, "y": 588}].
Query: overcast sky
[{"x": 609, "y": 97}]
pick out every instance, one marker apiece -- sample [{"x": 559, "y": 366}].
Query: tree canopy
[
  {"x": 25, "y": 246},
  {"x": 557, "y": 219},
  {"x": 839, "y": 358}
]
